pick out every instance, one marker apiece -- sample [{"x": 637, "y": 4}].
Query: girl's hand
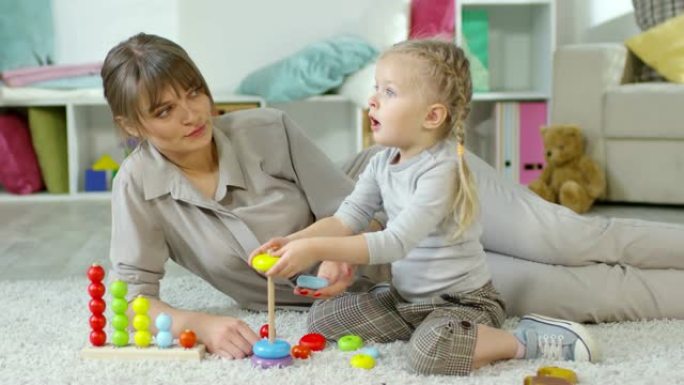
[
  {"x": 339, "y": 274},
  {"x": 225, "y": 336},
  {"x": 295, "y": 256},
  {"x": 268, "y": 247}
]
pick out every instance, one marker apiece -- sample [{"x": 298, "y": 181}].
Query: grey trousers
[{"x": 547, "y": 259}]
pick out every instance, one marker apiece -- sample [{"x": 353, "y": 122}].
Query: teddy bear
[{"x": 569, "y": 177}]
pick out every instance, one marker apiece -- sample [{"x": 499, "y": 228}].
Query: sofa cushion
[
  {"x": 645, "y": 171},
  {"x": 645, "y": 110},
  {"x": 662, "y": 47}
]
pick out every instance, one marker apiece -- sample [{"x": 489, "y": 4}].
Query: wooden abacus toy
[
  {"x": 270, "y": 352},
  {"x": 144, "y": 347}
]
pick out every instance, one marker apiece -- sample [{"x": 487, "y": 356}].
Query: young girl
[{"x": 441, "y": 296}]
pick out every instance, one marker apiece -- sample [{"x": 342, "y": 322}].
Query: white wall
[
  {"x": 85, "y": 30},
  {"x": 590, "y": 21}
]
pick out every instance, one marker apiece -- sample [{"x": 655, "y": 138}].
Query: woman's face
[{"x": 180, "y": 123}]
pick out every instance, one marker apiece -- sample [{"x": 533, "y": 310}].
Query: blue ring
[
  {"x": 312, "y": 282},
  {"x": 265, "y": 349}
]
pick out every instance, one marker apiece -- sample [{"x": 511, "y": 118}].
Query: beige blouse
[{"x": 272, "y": 181}]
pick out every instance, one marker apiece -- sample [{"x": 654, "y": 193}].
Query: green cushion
[
  {"x": 314, "y": 70},
  {"x": 49, "y": 137}
]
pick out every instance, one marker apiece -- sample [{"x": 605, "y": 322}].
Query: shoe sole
[{"x": 579, "y": 330}]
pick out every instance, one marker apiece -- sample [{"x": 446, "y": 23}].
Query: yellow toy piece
[
  {"x": 263, "y": 262},
  {"x": 105, "y": 163},
  {"x": 555, "y": 371},
  {"x": 362, "y": 361}
]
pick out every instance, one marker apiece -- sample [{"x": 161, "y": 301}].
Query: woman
[{"x": 205, "y": 192}]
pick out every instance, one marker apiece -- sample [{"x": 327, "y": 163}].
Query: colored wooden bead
[
  {"x": 96, "y": 290},
  {"x": 301, "y": 351},
  {"x": 362, "y": 361},
  {"x": 97, "y": 306},
  {"x": 95, "y": 273},
  {"x": 263, "y": 331},
  {"x": 120, "y": 338},
  {"x": 263, "y": 262},
  {"x": 142, "y": 338},
  {"x": 266, "y": 363},
  {"x": 349, "y": 343},
  {"x": 97, "y": 321},
  {"x": 98, "y": 337},
  {"x": 371, "y": 351},
  {"x": 187, "y": 339},
  {"x": 140, "y": 305},
  {"x": 141, "y": 322},
  {"x": 314, "y": 341},
  {"x": 119, "y": 305},
  {"x": 312, "y": 282},
  {"x": 164, "y": 339},
  {"x": 119, "y": 289},
  {"x": 163, "y": 321},
  {"x": 265, "y": 349}
]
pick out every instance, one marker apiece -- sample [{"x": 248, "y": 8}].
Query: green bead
[
  {"x": 140, "y": 305},
  {"x": 263, "y": 262},
  {"x": 119, "y": 289},
  {"x": 119, "y": 322},
  {"x": 350, "y": 343},
  {"x": 141, "y": 322},
  {"x": 119, "y": 306},
  {"x": 120, "y": 338},
  {"x": 362, "y": 361},
  {"x": 142, "y": 338}
]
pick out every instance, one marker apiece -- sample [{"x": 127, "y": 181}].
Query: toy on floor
[
  {"x": 270, "y": 352},
  {"x": 362, "y": 361},
  {"x": 552, "y": 375},
  {"x": 96, "y": 289},
  {"x": 314, "y": 341},
  {"x": 349, "y": 343},
  {"x": 144, "y": 348}
]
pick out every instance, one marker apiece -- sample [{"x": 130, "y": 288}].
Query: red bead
[
  {"x": 98, "y": 338},
  {"x": 314, "y": 341},
  {"x": 97, "y": 321},
  {"x": 97, "y": 306},
  {"x": 187, "y": 339},
  {"x": 263, "y": 332},
  {"x": 96, "y": 290},
  {"x": 301, "y": 351},
  {"x": 96, "y": 273}
]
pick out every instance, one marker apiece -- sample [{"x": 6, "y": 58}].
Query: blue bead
[
  {"x": 371, "y": 351},
  {"x": 312, "y": 282},
  {"x": 164, "y": 339},
  {"x": 265, "y": 349},
  {"x": 163, "y": 321}
]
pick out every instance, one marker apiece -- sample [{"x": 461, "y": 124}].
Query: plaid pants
[{"x": 441, "y": 330}]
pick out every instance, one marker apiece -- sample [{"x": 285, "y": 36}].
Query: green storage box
[{"x": 49, "y": 137}]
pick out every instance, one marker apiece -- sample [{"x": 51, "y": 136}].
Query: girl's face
[
  {"x": 180, "y": 124},
  {"x": 398, "y": 108}
]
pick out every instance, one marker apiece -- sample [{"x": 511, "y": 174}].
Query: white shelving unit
[{"x": 90, "y": 134}]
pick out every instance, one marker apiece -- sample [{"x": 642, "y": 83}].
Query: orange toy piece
[{"x": 187, "y": 339}]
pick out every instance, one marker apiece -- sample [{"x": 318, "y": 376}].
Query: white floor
[{"x": 52, "y": 240}]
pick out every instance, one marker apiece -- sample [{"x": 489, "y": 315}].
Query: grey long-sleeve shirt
[
  {"x": 416, "y": 195},
  {"x": 273, "y": 181}
]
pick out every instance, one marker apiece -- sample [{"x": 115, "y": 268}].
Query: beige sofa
[{"x": 634, "y": 130}]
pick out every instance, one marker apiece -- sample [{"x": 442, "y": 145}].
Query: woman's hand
[
  {"x": 225, "y": 336},
  {"x": 295, "y": 256},
  {"x": 339, "y": 275},
  {"x": 269, "y": 247}
]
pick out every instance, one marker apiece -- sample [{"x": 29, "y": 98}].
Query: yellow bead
[
  {"x": 263, "y": 262},
  {"x": 142, "y": 338},
  {"x": 141, "y": 322},
  {"x": 362, "y": 361},
  {"x": 558, "y": 372},
  {"x": 140, "y": 305}
]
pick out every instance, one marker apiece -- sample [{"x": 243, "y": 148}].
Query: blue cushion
[
  {"x": 25, "y": 33},
  {"x": 314, "y": 70}
]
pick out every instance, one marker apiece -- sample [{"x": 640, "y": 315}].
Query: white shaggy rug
[{"x": 43, "y": 326}]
